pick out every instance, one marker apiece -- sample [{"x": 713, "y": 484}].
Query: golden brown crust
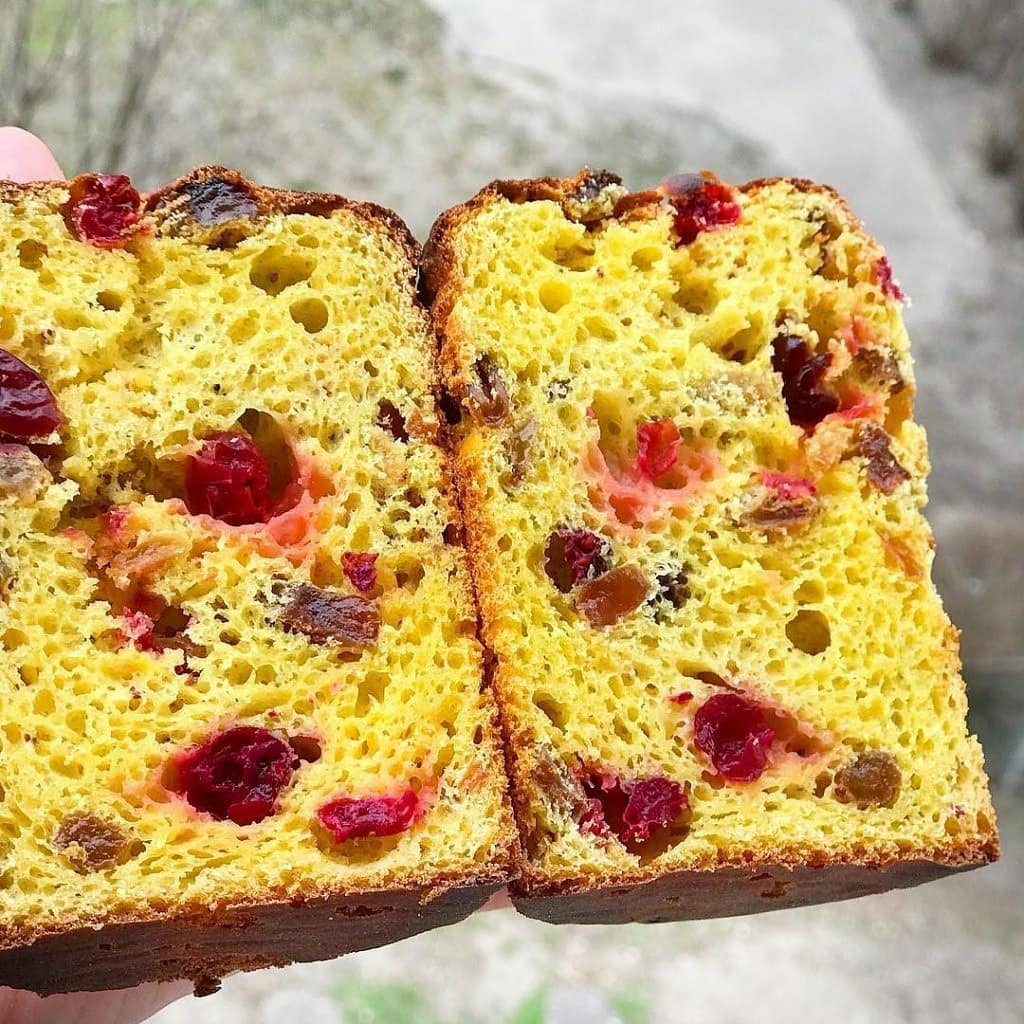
[
  {"x": 204, "y": 943},
  {"x": 191, "y": 939},
  {"x": 713, "y": 888}
]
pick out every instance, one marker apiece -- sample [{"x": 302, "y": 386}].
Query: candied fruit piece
[
  {"x": 90, "y": 842},
  {"x": 608, "y": 598},
  {"x": 390, "y": 418},
  {"x": 103, "y": 209},
  {"x": 215, "y": 201},
  {"x": 357, "y": 817},
  {"x": 882, "y": 469},
  {"x": 783, "y": 503},
  {"x": 518, "y": 451},
  {"x": 872, "y": 779},
  {"x": 27, "y": 406},
  {"x": 488, "y": 396},
  {"x": 237, "y": 774},
  {"x": 574, "y": 555},
  {"x": 657, "y": 445},
  {"x": 802, "y": 374},
  {"x": 361, "y": 570},
  {"x": 229, "y": 479},
  {"x": 704, "y": 206},
  {"x": 732, "y": 731},
  {"x": 22, "y": 474},
  {"x": 632, "y": 810},
  {"x": 326, "y": 617},
  {"x": 889, "y": 285}
]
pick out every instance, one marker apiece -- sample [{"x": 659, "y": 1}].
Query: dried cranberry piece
[
  {"x": 574, "y": 555},
  {"x": 326, "y": 617},
  {"x": 357, "y": 817},
  {"x": 733, "y": 732},
  {"x": 361, "y": 570},
  {"x": 789, "y": 487},
  {"x": 802, "y": 374},
  {"x": 888, "y": 283},
  {"x": 632, "y": 810},
  {"x": 237, "y": 774},
  {"x": 215, "y": 201},
  {"x": 229, "y": 479},
  {"x": 608, "y": 598},
  {"x": 708, "y": 205},
  {"x": 27, "y": 406},
  {"x": 489, "y": 397},
  {"x": 390, "y": 418},
  {"x": 103, "y": 209},
  {"x": 657, "y": 445},
  {"x": 874, "y": 778}
]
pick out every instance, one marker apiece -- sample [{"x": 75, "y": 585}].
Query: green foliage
[
  {"x": 531, "y": 1010},
  {"x": 382, "y": 1004}
]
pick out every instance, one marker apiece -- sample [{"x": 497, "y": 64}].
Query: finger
[
  {"x": 123, "y": 1006},
  {"x": 498, "y": 901},
  {"x": 23, "y": 157}
]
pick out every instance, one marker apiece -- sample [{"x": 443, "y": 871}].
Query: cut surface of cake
[
  {"x": 693, "y": 490},
  {"x": 243, "y": 720}
]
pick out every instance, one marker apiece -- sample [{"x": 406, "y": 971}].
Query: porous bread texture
[
  {"x": 594, "y": 324},
  {"x": 307, "y": 313}
]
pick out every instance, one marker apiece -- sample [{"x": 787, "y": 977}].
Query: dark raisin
[
  {"x": 357, "y": 817},
  {"x": 326, "y": 617},
  {"x": 802, "y": 374},
  {"x": 882, "y": 469},
  {"x": 574, "y": 555},
  {"x": 307, "y": 748},
  {"x": 593, "y": 184},
  {"x": 873, "y": 779},
  {"x": 488, "y": 396},
  {"x": 672, "y": 589},
  {"x": 389, "y": 418},
  {"x": 216, "y": 201},
  {"x": 605, "y": 600},
  {"x": 91, "y": 842},
  {"x": 27, "y": 406}
]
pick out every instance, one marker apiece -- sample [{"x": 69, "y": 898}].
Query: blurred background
[{"x": 914, "y": 109}]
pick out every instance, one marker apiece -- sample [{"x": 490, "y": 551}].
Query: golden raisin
[{"x": 873, "y": 779}]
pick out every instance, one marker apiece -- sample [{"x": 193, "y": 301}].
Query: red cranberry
[
  {"x": 708, "y": 205},
  {"x": 732, "y": 731},
  {"x": 574, "y": 555},
  {"x": 657, "y": 444},
  {"x": 357, "y": 817},
  {"x": 137, "y": 629},
  {"x": 888, "y": 283},
  {"x": 27, "y": 406},
  {"x": 229, "y": 479},
  {"x": 681, "y": 698},
  {"x": 802, "y": 374},
  {"x": 360, "y": 569},
  {"x": 103, "y": 209},
  {"x": 632, "y": 810},
  {"x": 237, "y": 774},
  {"x": 789, "y": 487}
]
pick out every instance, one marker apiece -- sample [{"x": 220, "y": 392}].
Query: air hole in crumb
[
  {"x": 810, "y": 592},
  {"x": 274, "y": 270},
  {"x": 311, "y": 313},
  {"x": 554, "y": 711},
  {"x": 371, "y": 689},
  {"x": 644, "y": 259},
  {"x": 554, "y": 295},
  {"x": 808, "y": 631},
  {"x": 110, "y": 301},
  {"x": 31, "y": 253}
]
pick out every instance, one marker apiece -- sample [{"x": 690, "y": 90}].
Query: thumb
[{"x": 23, "y": 157}]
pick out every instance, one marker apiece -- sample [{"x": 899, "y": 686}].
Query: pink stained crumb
[
  {"x": 788, "y": 486},
  {"x": 858, "y": 334},
  {"x": 681, "y": 698},
  {"x": 137, "y": 629},
  {"x": 629, "y": 496}
]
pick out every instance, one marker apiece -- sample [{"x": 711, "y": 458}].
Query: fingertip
[{"x": 25, "y": 157}]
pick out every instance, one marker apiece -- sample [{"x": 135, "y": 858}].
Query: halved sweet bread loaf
[
  {"x": 242, "y": 718},
  {"x": 693, "y": 490}
]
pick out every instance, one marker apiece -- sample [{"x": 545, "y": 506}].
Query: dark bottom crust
[
  {"x": 726, "y": 892},
  {"x": 206, "y": 947}
]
